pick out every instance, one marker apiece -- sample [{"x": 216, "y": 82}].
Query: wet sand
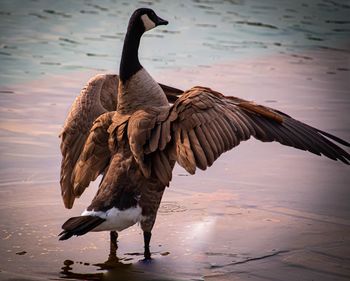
[{"x": 262, "y": 212}]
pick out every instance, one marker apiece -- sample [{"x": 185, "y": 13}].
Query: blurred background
[{"x": 262, "y": 210}]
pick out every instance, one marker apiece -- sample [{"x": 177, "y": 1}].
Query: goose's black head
[{"x": 144, "y": 19}]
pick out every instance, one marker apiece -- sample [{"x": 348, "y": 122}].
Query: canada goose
[{"x": 137, "y": 146}]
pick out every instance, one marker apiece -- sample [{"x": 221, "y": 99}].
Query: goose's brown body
[{"x": 124, "y": 185}]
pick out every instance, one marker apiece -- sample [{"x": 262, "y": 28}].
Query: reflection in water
[
  {"x": 67, "y": 273},
  {"x": 114, "y": 268}
]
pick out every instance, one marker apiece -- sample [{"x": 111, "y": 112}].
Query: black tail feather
[{"x": 79, "y": 226}]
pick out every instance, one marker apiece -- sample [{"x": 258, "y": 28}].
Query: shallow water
[
  {"x": 41, "y": 38},
  {"x": 261, "y": 212}
]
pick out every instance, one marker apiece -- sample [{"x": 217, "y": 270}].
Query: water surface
[{"x": 260, "y": 212}]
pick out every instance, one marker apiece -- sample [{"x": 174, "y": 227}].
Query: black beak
[{"x": 160, "y": 21}]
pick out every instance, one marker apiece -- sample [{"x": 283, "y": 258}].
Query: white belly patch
[{"x": 116, "y": 220}]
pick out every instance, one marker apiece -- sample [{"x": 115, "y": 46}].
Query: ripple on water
[
  {"x": 258, "y": 24},
  {"x": 68, "y": 40},
  {"x": 168, "y": 207},
  {"x": 53, "y": 12},
  {"x": 98, "y": 7}
]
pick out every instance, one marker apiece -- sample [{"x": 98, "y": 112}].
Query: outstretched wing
[
  {"x": 95, "y": 156},
  {"x": 96, "y": 98},
  {"x": 203, "y": 124}
]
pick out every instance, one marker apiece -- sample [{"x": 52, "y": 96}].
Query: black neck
[{"x": 130, "y": 63}]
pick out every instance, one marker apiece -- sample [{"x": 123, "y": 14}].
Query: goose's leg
[
  {"x": 149, "y": 212},
  {"x": 114, "y": 244},
  {"x": 147, "y": 238}
]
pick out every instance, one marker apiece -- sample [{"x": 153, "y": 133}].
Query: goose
[{"x": 136, "y": 146}]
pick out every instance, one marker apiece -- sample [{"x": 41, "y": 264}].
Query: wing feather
[
  {"x": 154, "y": 140},
  {"x": 165, "y": 136},
  {"x": 95, "y": 156},
  {"x": 212, "y": 124},
  {"x": 220, "y": 137},
  {"x": 201, "y": 159},
  {"x": 208, "y": 135},
  {"x": 160, "y": 170},
  {"x": 208, "y": 152},
  {"x": 184, "y": 152}
]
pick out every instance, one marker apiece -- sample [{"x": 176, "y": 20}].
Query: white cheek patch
[{"x": 147, "y": 22}]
